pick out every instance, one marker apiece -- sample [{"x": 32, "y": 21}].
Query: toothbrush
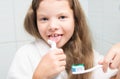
[
  {"x": 53, "y": 46},
  {"x": 76, "y": 69},
  {"x": 80, "y": 69},
  {"x": 52, "y": 43}
]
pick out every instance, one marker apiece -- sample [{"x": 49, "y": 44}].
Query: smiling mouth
[{"x": 55, "y": 37}]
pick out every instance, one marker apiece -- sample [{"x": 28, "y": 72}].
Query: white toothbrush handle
[
  {"x": 88, "y": 70},
  {"x": 52, "y": 43},
  {"x": 94, "y": 68}
]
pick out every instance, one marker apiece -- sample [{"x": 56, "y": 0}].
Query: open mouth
[{"x": 55, "y": 37}]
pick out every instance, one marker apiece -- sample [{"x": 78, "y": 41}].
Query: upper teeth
[{"x": 54, "y": 35}]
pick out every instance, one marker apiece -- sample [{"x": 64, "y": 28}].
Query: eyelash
[
  {"x": 46, "y": 19},
  {"x": 43, "y": 19},
  {"x": 62, "y": 17}
]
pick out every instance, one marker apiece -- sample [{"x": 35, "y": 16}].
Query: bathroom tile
[
  {"x": 7, "y": 31},
  {"x": 95, "y": 6},
  {"x": 112, "y": 7},
  {"x": 7, "y": 51},
  {"x": 95, "y": 21},
  {"x": 20, "y": 10},
  {"x": 84, "y": 4}
]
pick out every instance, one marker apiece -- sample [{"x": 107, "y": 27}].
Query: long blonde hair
[{"x": 79, "y": 48}]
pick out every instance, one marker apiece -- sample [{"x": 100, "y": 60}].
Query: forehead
[
  {"x": 53, "y": 5},
  {"x": 48, "y": 3}
]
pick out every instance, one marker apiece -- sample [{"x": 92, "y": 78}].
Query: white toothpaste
[{"x": 77, "y": 68}]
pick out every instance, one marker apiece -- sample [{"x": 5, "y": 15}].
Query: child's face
[{"x": 55, "y": 21}]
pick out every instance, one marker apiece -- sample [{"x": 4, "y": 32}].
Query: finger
[
  {"x": 61, "y": 57},
  {"x": 62, "y": 63},
  {"x": 107, "y": 60},
  {"x": 115, "y": 62},
  {"x": 62, "y": 68},
  {"x": 100, "y": 61},
  {"x": 56, "y": 51},
  {"x": 59, "y": 51}
]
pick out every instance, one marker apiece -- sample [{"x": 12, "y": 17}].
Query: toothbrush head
[
  {"x": 52, "y": 43},
  {"x": 77, "y": 68},
  {"x": 80, "y": 69}
]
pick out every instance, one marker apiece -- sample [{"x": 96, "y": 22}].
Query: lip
[{"x": 55, "y": 37}]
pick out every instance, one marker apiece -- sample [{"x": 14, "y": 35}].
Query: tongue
[{"x": 55, "y": 39}]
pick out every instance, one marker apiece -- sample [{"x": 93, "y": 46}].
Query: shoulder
[
  {"x": 26, "y": 59},
  {"x": 36, "y": 46},
  {"x": 25, "y": 49}
]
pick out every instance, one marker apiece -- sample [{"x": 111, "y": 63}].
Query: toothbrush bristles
[
  {"x": 49, "y": 42},
  {"x": 52, "y": 43}
]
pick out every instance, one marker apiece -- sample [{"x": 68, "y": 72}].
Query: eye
[
  {"x": 62, "y": 17},
  {"x": 44, "y": 19}
]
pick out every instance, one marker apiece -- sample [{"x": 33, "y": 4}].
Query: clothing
[{"x": 27, "y": 58}]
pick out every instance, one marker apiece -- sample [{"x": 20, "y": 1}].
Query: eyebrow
[
  {"x": 59, "y": 13},
  {"x": 41, "y": 14}
]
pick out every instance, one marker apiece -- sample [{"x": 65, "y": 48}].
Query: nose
[{"x": 53, "y": 25}]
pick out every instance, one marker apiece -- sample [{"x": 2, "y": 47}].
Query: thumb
[{"x": 100, "y": 62}]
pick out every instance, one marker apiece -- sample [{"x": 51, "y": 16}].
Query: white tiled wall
[
  {"x": 7, "y": 51},
  {"x": 84, "y": 4},
  {"x": 19, "y": 12},
  {"x": 104, "y": 19},
  {"x": 12, "y": 34},
  {"x": 103, "y": 16},
  {"x": 6, "y": 21}
]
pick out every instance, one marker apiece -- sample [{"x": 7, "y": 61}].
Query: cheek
[
  {"x": 69, "y": 31},
  {"x": 41, "y": 31}
]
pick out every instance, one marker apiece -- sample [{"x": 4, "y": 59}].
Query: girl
[{"x": 62, "y": 21}]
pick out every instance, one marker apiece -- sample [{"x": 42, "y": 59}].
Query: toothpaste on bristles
[{"x": 76, "y": 68}]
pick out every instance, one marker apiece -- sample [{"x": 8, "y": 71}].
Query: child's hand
[
  {"x": 51, "y": 64},
  {"x": 112, "y": 60}
]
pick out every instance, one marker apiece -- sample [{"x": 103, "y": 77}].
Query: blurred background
[{"x": 103, "y": 18}]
